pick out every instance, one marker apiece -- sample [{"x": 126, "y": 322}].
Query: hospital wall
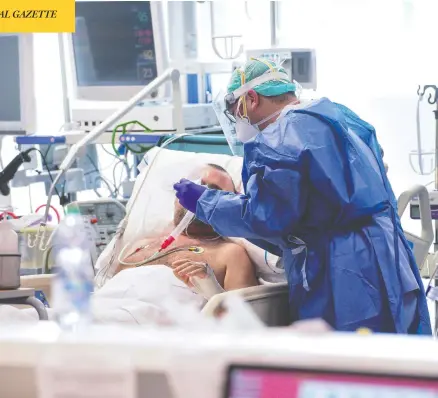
[{"x": 370, "y": 56}]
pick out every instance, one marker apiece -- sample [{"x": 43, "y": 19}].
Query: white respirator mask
[{"x": 245, "y": 131}]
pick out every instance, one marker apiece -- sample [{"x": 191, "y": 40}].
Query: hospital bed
[
  {"x": 269, "y": 300},
  {"x": 421, "y": 243}
]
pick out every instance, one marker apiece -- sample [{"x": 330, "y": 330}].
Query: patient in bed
[
  {"x": 150, "y": 294},
  {"x": 199, "y": 245}
]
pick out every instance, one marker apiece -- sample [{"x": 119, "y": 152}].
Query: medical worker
[{"x": 316, "y": 192}]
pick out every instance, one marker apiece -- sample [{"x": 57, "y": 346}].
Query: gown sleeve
[{"x": 273, "y": 203}]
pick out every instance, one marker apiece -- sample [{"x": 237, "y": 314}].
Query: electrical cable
[
  {"x": 58, "y": 217},
  {"x": 63, "y": 189},
  {"x": 108, "y": 152},
  {"x": 46, "y": 259},
  {"x": 144, "y": 130},
  {"x": 114, "y": 176},
  {"x": 8, "y": 213},
  {"x": 100, "y": 178},
  {"x": 128, "y": 169},
  {"x": 44, "y": 159},
  {"x": 48, "y": 150},
  {"x": 97, "y": 193},
  {"x": 102, "y": 169},
  {"x": 121, "y": 180},
  {"x": 93, "y": 163},
  {"x": 23, "y": 156},
  {"x": 117, "y": 158},
  {"x": 113, "y": 137}
]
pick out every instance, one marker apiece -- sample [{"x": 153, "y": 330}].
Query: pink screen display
[{"x": 249, "y": 383}]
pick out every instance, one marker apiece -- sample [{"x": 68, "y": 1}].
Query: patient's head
[{"x": 215, "y": 177}]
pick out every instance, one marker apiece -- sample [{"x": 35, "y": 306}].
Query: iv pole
[{"x": 433, "y": 99}]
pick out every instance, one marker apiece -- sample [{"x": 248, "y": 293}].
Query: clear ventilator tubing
[{"x": 180, "y": 228}]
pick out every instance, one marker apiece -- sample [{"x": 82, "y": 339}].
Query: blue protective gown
[{"x": 317, "y": 194}]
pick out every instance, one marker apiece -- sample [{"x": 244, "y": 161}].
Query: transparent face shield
[
  {"x": 298, "y": 89},
  {"x": 224, "y": 101},
  {"x": 228, "y": 127}
]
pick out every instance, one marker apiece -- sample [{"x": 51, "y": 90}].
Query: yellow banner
[{"x": 34, "y": 16}]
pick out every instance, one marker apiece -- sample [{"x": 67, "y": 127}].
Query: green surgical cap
[{"x": 256, "y": 68}]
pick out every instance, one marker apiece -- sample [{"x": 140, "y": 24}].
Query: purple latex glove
[{"x": 188, "y": 194}]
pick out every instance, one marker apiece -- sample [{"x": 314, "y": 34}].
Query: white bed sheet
[{"x": 135, "y": 296}]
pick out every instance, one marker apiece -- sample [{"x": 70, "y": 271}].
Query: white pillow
[
  {"x": 153, "y": 210},
  {"x": 268, "y": 266}
]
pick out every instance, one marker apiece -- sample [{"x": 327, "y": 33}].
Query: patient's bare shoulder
[
  {"x": 240, "y": 271},
  {"x": 231, "y": 253}
]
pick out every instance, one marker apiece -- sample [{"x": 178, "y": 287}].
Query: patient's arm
[
  {"x": 233, "y": 266},
  {"x": 239, "y": 270}
]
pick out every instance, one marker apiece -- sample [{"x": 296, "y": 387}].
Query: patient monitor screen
[
  {"x": 9, "y": 78},
  {"x": 114, "y": 43},
  {"x": 246, "y": 382}
]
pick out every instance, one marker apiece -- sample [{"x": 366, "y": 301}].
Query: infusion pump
[
  {"x": 415, "y": 206},
  {"x": 102, "y": 216}
]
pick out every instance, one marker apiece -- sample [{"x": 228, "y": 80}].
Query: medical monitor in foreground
[
  {"x": 300, "y": 64},
  {"x": 266, "y": 382},
  {"x": 117, "y": 49},
  {"x": 17, "y": 92}
]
